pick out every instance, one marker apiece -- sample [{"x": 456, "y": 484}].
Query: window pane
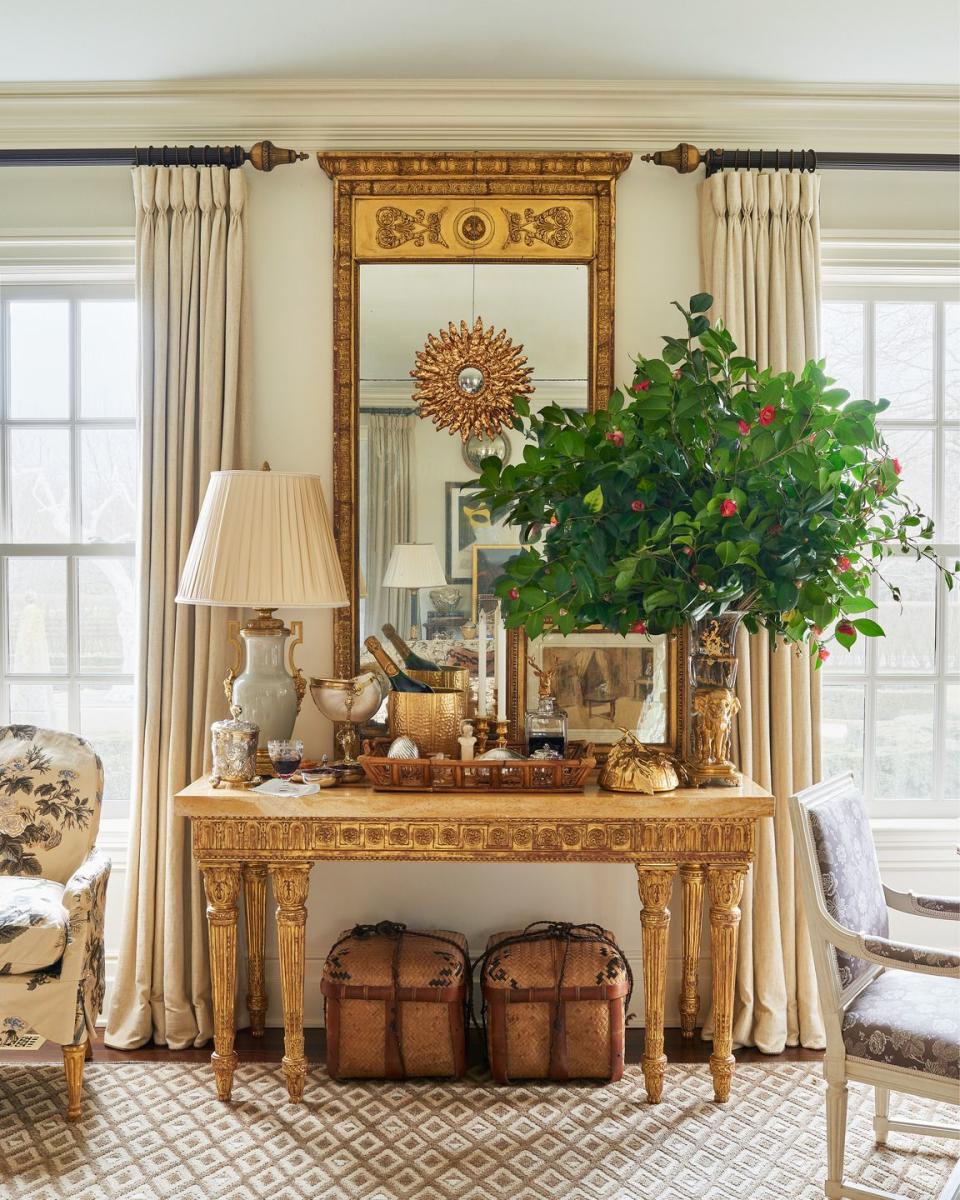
[
  {"x": 951, "y": 334},
  {"x": 910, "y": 644},
  {"x": 106, "y": 719},
  {"x": 43, "y": 704},
  {"x": 37, "y": 615},
  {"x": 841, "y": 730},
  {"x": 108, "y": 358},
  {"x": 951, "y": 757},
  {"x": 106, "y": 600},
  {"x": 108, "y": 485},
  {"x": 843, "y": 345},
  {"x": 952, "y": 656},
  {"x": 40, "y": 485},
  {"x": 39, "y": 358},
  {"x": 948, "y": 526},
  {"x": 904, "y": 334},
  {"x": 915, "y": 449},
  {"x": 903, "y": 754}
]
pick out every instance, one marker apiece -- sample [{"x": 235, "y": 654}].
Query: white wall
[{"x": 289, "y": 264}]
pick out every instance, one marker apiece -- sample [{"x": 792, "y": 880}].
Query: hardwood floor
[{"x": 269, "y": 1048}]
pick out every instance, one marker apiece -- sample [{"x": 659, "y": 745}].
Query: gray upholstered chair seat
[
  {"x": 904, "y": 1019},
  {"x": 33, "y": 924}
]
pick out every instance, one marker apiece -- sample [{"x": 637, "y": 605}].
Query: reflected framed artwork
[
  {"x": 488, "y": 564},
  {"x": 607, "y": 682},
  {"x": 471, "y": 521}
]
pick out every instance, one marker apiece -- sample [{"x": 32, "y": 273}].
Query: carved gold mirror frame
[{"x": 485, "y": 207}]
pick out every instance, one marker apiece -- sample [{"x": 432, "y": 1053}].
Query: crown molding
[{"x": 478, "y": 114}]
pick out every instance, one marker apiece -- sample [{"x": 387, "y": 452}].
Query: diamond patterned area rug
[{"x": 156, "y": 1131}]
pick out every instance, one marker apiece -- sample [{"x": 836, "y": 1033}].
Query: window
[
  {"x": 891, "y": 708},
  {"x": 68, "y": 515}
]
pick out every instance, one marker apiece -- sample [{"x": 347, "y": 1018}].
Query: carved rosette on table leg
[
  {"x": 73, "y": 1057},
  {"x": 655, "y": 884},
  {"x": 222, "y": 886},
  {"x": 290, "y": 884},
  {"x": 691, "y": 880},
  {"x": 255, "y": 911},
  {"x": 726, "y": 889}
]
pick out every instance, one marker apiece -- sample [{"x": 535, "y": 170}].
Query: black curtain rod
[
  {"x": 263, "y": 156},
  {"x": 685, "y": 159}
]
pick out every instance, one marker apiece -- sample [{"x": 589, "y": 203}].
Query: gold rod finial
[
  {"x": 264, "y": 156},
  {"x": 684, "y": 158},
  {"x": 266, "y": 466}
]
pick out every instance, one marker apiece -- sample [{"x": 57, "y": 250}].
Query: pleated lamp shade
[
  {"x": 263, "y": 540},
  {"x": 414, "y": 565}
]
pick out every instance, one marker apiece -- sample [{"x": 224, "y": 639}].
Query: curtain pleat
[
  {"x": 189, "y": 284},
  {"x": 760, "y": 260}
]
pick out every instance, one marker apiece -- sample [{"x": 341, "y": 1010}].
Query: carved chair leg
[
  {"x": 73, "y": 1057},
  {"x": 655, "y": 884},
  {"x": 691, "y": 880},
  {"x": 255, "y": 906},
  {"x": 836, "y": 1136}
]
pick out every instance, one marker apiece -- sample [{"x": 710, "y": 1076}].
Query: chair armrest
[
  {"x": 944, "y": 908},
  {"x": 84, "y": 898},
  {"x": 902, "y": 955}
]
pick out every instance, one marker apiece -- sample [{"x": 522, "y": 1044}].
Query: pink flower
[
  {"x": 817, "y": 631},
  {"x": 823, "y": 654},
  {"x": 642, "y": 386},
  {"x": 637, "y": 505},
  {"x": 896, "y": 465},
  {"x": 553, "y": 520},
  {"x": 514, "y": 594},
  {"x": 744, "y": 427},
  {"x": 843, "y": 563},
  {"x": 767, "y": 413},
  {"x": 728, "y": 508},
  {"x": 678, "y": 374},
  {"x": 638, "y": 627},
  {"x": 846, "y": 629},
  {"x": 688, "y": 551},
  {"x": 616, "y": 437}
]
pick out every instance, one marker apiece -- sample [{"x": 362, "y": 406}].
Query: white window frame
[
  {"x": 74, "y": 269},
  {"x": 869, "y": 270}
]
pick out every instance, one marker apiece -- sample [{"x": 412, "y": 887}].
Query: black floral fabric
[{"x": 904, "y": 1019}]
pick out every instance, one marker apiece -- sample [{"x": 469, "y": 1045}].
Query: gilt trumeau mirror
[{"x": 516, "y": 242}]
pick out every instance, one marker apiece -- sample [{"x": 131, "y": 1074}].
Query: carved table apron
[{"x": 708, "y": 834}]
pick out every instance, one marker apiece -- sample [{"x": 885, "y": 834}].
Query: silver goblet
[{"x": 350, "y": 702}]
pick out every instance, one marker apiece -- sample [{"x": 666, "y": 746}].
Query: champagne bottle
[
  {"x": 411, "y": 660},
  {"x": 399, "y": 680}
]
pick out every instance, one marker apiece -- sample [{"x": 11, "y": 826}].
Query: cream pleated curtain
[
  {"x": 389, "y": 519},
  {"x": 760, "y": 260},
  {"x": 189, "y": 249}
]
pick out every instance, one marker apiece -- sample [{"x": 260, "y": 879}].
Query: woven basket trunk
[
  {"x": 539, "y": 1030},
  {"x": 395, "y": 1005}
]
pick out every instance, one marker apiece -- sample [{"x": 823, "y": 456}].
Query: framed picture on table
[
  {"x": 471, "y": 521},
  {"x": 607, "y": 682},
  {"x": 488, "y": 564}
]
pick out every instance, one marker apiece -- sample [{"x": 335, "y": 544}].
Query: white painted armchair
[
  {"x": 891, "y": 1010},
  {"x": 53, "y": 886}
]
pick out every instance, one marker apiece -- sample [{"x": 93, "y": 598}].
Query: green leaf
[
  {"x": 855, "y": 604},
  {"x": 593, "y": 500},
  {"x": 727, "y": 553},
  {"x": 701, "y": 302},
  {"x": 869, "y": 628}
]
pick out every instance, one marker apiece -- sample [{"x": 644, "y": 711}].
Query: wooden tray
[{"x": 486, "y": 775}]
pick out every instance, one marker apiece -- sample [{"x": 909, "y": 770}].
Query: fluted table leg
[
  {"x": 290, "y": 884},
  {"x": 655, "y": 883},
  {"x": 221, "y": 883},
  {"x": 691, "y": 883},
  {"x": 726, "y": 888},
  {"x": 255, "y": 906}
]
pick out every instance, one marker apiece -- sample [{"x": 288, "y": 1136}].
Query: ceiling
[{"x": 820, "y": 41}]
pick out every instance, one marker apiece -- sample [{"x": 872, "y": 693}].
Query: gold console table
[{"x": 708, "y": 834}]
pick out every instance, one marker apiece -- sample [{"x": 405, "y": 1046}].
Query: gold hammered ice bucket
[{"x": 431, "y": 719}]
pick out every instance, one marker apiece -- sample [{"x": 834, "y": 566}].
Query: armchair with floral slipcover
[
  {"x": 891, "y": 1009},
  {"x": 53, "y": 887}
]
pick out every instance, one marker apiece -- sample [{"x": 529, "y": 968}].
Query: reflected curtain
[
  {"x": 390, "y": 518},
  {"x": 760, "y": 260},
  {"x": 189, "y": 282}
]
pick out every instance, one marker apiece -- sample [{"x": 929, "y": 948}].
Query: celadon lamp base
[{"x": 267, "y": 691}]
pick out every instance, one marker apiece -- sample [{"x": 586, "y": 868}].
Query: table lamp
[
  {"x": 414, "y": 565},
  {"x": 263, "y": 540}
]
